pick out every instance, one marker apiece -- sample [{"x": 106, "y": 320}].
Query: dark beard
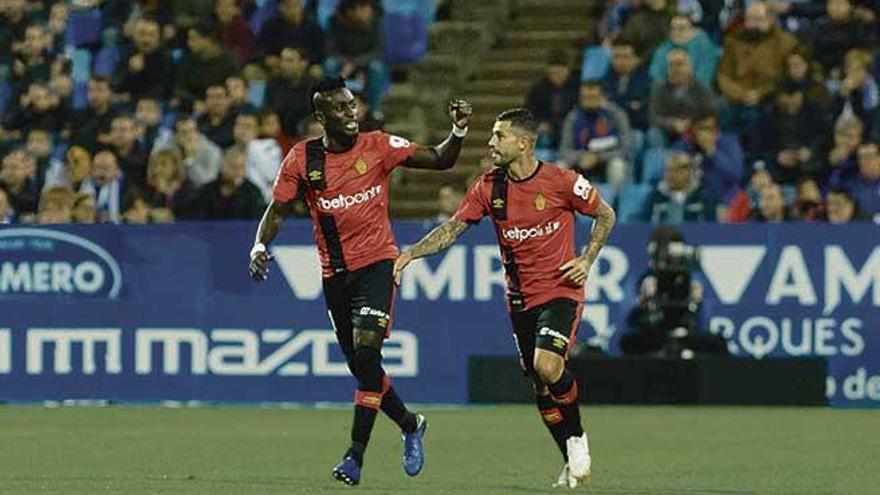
[{"x": 753, "y": 35}]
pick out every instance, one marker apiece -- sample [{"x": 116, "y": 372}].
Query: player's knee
[
  {"x": 540, "y": 386},
  {"x": 367, "y": 338},
  {"x": 548, "y": 369}
]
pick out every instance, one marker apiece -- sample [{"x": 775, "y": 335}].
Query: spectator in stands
[
  {"x": 859, "y": 93},
  {"x": 231, "y": 196},
  {"x": 187, "y": 13},
  {"x": 771, "y": 206},
  {"x": 791, "y": 135},
  {"x": 262, "y": 155},
  {"x": 201, "y": 157},
  {"x": 270, "y": 127},
  {"x": 167, "y": 184},
  {"x": 678, "y": 197},
  {"x": 449, "y": 196},
  {"x": 746, "y": 200},
  {"x": 751, "y": 65},
  {"x": 148, "y": 115},
  {"x": 204, "y": 64},
  {"x": 114, "y": 191},
  {"x": 218, "y": 121},
  {"x": 17, "y": 168},
  {"x": 32, "y": 55},
  {"x": 84, "y": 209},
  {"x": 798, "y": 72},
  {"x": 354, "y": 48},
  {"x": 144, "y": 71},
  {"x": 835, "y": 34},
  {"x": 91, "y": 126},
  {"x": 132, "y": 157},
  {"x": 676, "y": 101},
  {"x": 7, "y": 213},
  {"x": 12, "y": 28},
  {"x": 718, "y": 156},
  {"x": 73, "y": 173},
  {"x": 288, "y": 93},
  {"x": 702, "y": 52},
  {"x": 59, "y": 15},
  {"x": 808, "y": 204},
  {"x": 237, "y": 89},
  {"x": 842, "y": 162},
  {"x": 551, "y": 98},
  {"x": 648, "y": 25},
  {"x": 595, "y": 137},
  {"x": 56, "y": 206},
  {"x": 865, "y": 187},
  {"x": 39, "y": 145},
  {"x": 627, "y": 83},
  {"x": 292, "y": 28},
  {"x": 235, "y": 31},
  {"x": 842, "y": 207},
  {"x": 38, "y": 108}
]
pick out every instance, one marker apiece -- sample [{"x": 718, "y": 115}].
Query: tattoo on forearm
[
  {"x": 602, "y": 225},
  {"x": 439, "y": 239}
]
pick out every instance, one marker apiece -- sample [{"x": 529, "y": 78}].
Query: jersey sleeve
[
  {"x": 583, "y": 197},
  {"x": 288, "y": 179},
  {"x": 394, "y": 149},
  {"x": 473, "y": 207}
]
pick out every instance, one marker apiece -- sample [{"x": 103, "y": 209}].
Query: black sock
[
  {"x": 368, "y": 398},
  {"x": 565, "y": 393},
  {"x": 356, "y": 452},
  {"x": 554, "y": 420},
  {"x": 395, "y": 409}
]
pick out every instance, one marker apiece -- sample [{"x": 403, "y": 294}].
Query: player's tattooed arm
[
  {"x": 575, "y": 271},
  {"x": 437, "y": 240},
  {"x": 444, "y": 155},
  {"x": 269, "y": 226},
  {"x": 603, "y": 222}
]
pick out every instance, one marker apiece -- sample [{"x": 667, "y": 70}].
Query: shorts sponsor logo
[
  {"x": 368, "y": 311},
  {"x": 549, "y": 332},
  {"x": 345, "y": 201},
  {"x": 522, "y": 234}
]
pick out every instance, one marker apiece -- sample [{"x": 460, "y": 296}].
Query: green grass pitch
[{"x": 479, "y": 450}]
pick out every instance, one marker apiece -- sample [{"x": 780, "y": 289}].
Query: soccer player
[
  {"x": 532, "y": 205},
  {"x": 345, "y": 177}
]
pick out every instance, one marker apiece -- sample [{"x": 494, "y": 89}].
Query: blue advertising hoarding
[{"x": 168, "y": 312}]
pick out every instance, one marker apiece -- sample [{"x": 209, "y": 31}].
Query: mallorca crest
[
  {"x": 540, "y": 202},
  {"x": 361, "y": 166}
]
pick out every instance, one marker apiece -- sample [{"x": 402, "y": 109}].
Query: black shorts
[
  {"x": 360, "y": 299},
  {"x": 551, "y": 326}
]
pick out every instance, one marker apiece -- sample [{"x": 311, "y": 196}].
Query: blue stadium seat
[
  {"x": 653, "y": 165},
  {"x": 84, "y": 27},
  {"x": 80, "y": 95},
  {"x": 597, "y": 59},
  {"x": 106, "y": 60},
  {"x": 326, "y": 9},
  {"x": 5, "y": 95},
  {"x": 80, "y": 65},
  {"x": 406, "y": 37},
  {"x": 425, "y": 8},
  {"x": 632, "y": 202},
  {"x": 607, "y": 191},
  {"x": 266, "y": 9},
  {"x": 256, "y": 93}
]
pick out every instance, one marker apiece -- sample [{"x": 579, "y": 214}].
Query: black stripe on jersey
[
  {"x": 333, "y": 242},
  {"x": 499, "y": 195},
  {"x": 315, "y": 164},
  {"x": 514, "y": 287}
]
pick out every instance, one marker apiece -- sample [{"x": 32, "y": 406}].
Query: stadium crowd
[
  {"x": 723, "y": 111},
  {"x": 156, "y": 110}
]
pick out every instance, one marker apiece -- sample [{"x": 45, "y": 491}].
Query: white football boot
[
  {"x": 564, "y": 476},
  {"x": 578, "y": 458}
]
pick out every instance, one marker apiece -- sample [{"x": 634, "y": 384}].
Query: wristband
[
  {"x": 459, "y": 132},
  {"x": 258, "y": 248}
]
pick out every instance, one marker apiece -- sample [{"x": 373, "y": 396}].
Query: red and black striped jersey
[
  {"x": 347, "y": 196},
  {"x": 534, "y": 222}
]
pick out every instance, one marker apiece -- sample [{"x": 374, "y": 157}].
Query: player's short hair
[
  {"x": 521, "y": 118},
  {"x": 325, "y": 85}
]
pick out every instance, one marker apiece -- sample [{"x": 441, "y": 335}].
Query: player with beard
[
  {"x": 532, "y": 205},
  {"x": 345, "y": 177}
]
